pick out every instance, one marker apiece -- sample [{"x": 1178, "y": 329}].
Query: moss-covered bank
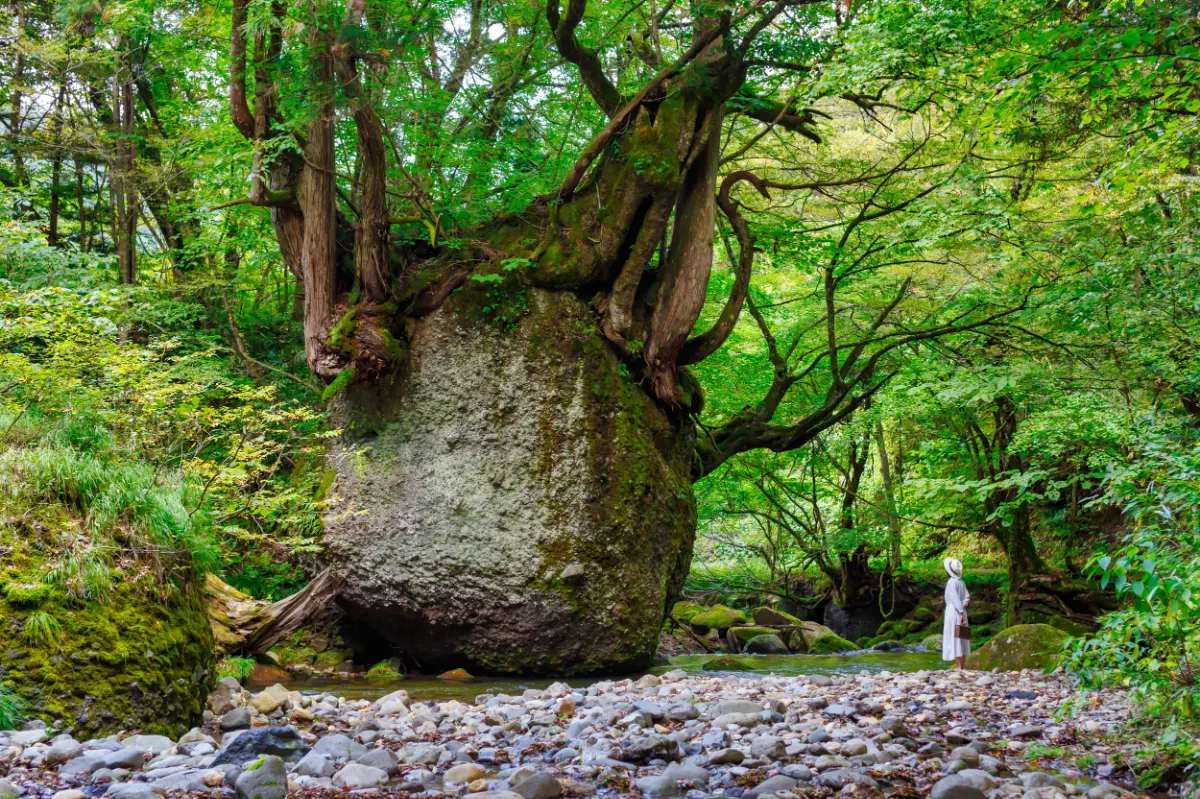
[{"x": 133, "y": 662}]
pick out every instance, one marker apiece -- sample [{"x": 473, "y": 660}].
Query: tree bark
[
  {"x": 56, "y": 159},
  {"x": 683, "y": 282},
  {"x": 125, "y": 199},
  {"x": 246, "y": 626},
  {"x": 372, "y": 228},
  {"x": 889, "y": 496},
  {"x": 316, "y": 193},
  {"x": 16, "y": 112}
]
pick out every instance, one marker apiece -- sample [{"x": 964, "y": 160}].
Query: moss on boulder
[
  {"x": 829, "y": 645},
  {"x": 718, "y": 617},
  {"x": 729, "y": 663},
  {"x": 773, "y": 617},
  {"x": 556, "y": 551},
  {"x": 1071, "y": 628},
  {"x": 383, "y": 671},
  {"x": 743, "y": 634},
  {"x": 1025, "y": 646},
  {"x": 981, "y": 615},
  {"x": 923, "y": 614},
  {"x": 683, "y": 612},
  {"x": 802, "y": 637},
  {"x": 133, "y": 661}
]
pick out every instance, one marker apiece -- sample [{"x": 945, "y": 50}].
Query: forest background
[{"x": 998, "y": 199}]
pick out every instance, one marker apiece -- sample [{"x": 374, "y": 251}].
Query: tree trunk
[
  {"x": 246, "y": 626},
  {"x": 889, "y": 497},
  {"x": 16, "y": 113},
  {"x": 316, "y": 195},
  {"x": 124, "y": 192}
]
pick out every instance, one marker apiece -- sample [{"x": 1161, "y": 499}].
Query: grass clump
[
  {"x": 42, "y": 629},
  {"x": 12, "y": 709},
  {"x": 383, "y": 671},
  {"x": 236, "y": 667}
]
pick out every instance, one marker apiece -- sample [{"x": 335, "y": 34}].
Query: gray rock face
[
  {"x": 539, "y": 786},
  {"x": 766, "y": 645},
  {"x": 267, "y": 781},
  {"x": 62, "y": 750},
  {"x": 340, "y": 748},
  {"x": 236, "y": 719},
  {"x": 1039, "y": 779},
  {"x": 771, "y": 785},
  {"x": 379, "y": 758},
  {"x": 132, "y": 790},
  {"x": 152, "y": 745},
  {"x": 356, "y": 775},
  {"x": 316, "y": 765},
  {"x": 956, "y": 786},
  {"x": 511, "y": 501},
  {"x": 281, "y": 742}
]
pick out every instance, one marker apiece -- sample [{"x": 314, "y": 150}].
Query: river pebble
[{"x": 951, "y": 735}]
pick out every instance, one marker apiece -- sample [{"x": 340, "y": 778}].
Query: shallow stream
[{"x": 423, "y": 687}]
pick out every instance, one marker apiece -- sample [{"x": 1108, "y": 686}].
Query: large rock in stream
[
  {"x": 512, "y": 501},
  {"x": 1023, "y": 646}
]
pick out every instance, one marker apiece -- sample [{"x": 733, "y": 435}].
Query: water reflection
[{"x": 422, "y": 687}]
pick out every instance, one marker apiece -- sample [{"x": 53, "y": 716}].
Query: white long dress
[{"x": 956, "y": 603}]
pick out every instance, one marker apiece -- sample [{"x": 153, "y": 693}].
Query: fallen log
[{"x": 243, "y": 625}]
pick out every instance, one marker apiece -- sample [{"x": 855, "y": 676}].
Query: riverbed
[{"x": 426, "y": 687}]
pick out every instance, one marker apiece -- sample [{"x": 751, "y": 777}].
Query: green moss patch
[
  {"x": 684, "y": 612},
  {"x": 1024, "y": 646},
  {"x": 829, "y": 645},
  {"x": 718, "y": 617},
  {"x": 743, "y": 634},
  {"x": 136, "y": 661}
]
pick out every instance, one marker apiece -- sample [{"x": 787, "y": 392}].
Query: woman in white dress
[{"x": 953, "y": 648}]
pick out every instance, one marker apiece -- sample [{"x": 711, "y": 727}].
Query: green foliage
[
  {"x": 42, "y": 629},
  {"x": 238, "y": 668},
  {"x": 383, "y": 671},
  {"x": 1152, "y": 643},
  {"x": 12, "y": 709}
]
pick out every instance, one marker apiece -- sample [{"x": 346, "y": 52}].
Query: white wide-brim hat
[{"x": 953, "y": 567}]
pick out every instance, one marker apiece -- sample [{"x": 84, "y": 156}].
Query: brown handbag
[{"x": 962, "y": 631}]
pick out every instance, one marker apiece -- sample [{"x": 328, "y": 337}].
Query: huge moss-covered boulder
[
  {"x": 718, "y": 617},
  {"x": 512, "y": 500},
  {"x": 137, "y": 660},
  {"x": 1024, "y": 646}
]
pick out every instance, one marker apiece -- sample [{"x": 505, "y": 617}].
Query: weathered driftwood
[{"x": 244, "y": 625}]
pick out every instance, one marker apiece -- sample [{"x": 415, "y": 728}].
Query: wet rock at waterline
[
  {"x": 512, "y": 501},
  {"x": 949, "y": 735}
]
